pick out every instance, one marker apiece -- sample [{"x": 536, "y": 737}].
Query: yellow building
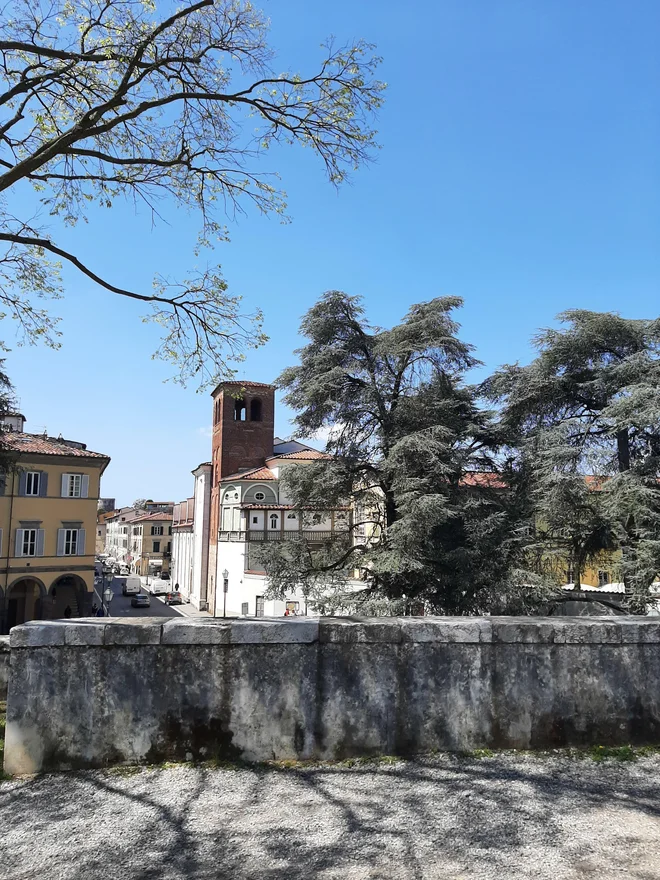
[
  {"x": 48, "y": 502},
  {"x": 151, "y": 543}
]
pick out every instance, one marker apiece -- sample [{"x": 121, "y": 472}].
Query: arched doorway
[
  {"x": 24, "y": 601},
  {"x": 67, "y": 592}
]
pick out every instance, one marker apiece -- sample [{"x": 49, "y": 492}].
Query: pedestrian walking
[{"x": 67, "y": 612}]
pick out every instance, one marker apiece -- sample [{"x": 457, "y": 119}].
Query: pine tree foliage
[
  {"x": 433, "y": 522},
  {"x": 584, "y": 417}
]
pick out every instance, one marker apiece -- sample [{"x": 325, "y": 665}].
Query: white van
[{"x": 132, "y": 586}]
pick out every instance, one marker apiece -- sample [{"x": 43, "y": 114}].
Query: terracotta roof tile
[
  {"x": 305, "y": 455},
  {"x": 475, "y": 478},
  {"x": 159, "y": 514},
  {"x": 260, "y": 473},
  {"x": 238, "y": 384},
  {"x": 37, "y": 443}
]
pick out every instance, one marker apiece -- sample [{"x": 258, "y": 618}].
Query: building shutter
[
  {"x": 60, "y": 542},
  {"x": 22, "y": 483},
  {"x": 65, "y": 485},
  {"x": 81, "y": 542},
  {"x": 43, "y": 484},
  {"x": 41, "y": 536},
  {"x": 84, "y": 486},
  {"x": 18, "y": 549}
]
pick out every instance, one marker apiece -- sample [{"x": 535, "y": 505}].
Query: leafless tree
[{"x": 105, "y": 98}]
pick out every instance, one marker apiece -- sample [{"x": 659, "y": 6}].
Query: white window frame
[
  {"x": 71, "y": 542},
  {"x": 32, "y": 478},
  {"x": 28, "y": 542},
  {"x": 73, "y": 481},
  {"x": 157, "y": 531},
  {"x": 260, "y": 496}
]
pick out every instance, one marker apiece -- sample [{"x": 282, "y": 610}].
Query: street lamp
[
  {"x": 107, "y": 595},
  {"x": 225, "y": 590}
]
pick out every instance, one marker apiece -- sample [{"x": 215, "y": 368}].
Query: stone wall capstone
[{"x": 91, "y": 692}]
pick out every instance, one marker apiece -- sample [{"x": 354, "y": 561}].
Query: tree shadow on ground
[{"x": 445, "y": 817}]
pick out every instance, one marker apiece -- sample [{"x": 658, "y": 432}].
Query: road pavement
[{"x": 120, "y": 606}]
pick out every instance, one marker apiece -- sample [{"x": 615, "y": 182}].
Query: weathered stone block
[
  {"x": 180, "y": 632},
  {"x": 83, "y": 632},
  {"x": 639, "y": 630},
  {"x": 37, "y": 633},
  {"x": 282, "y": 632},
  {"x": 363, "y": 631},
  {"x": 587, "y": 631},
  {"x": 524, "y": 630},
  {"x": 146, "y": 631},
  {"x": 439, "y": 629}
]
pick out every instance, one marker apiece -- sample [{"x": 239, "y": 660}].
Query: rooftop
[
  {"x": 237, "y": 384},
  {"x": 303, "y": 455},
  {"x": 260, "y": 473},
  {"x": 157, "y": 515},
  {"x": 43, "y": 445}
]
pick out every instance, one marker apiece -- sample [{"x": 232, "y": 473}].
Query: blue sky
[{"x": 520, "y": 169}]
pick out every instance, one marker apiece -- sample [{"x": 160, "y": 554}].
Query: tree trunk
[
  {"x": 391, "y": 513},
  {"x": 623, "y": 450}
]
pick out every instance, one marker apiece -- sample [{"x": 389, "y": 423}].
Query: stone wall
[
  {"x": 4, "y": 666},
  {"x": 88, "y": 693}
]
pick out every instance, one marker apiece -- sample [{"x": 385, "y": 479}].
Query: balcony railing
[{"x": 277, "y": 535}]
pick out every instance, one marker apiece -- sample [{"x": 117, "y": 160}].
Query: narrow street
[{"x": 120, "y": 606}]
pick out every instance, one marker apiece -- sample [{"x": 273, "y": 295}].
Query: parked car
[
  {"x": 142, "y": 600},
  {"x": 174, "y": 599},
  {"x": 132, "y": 586}
]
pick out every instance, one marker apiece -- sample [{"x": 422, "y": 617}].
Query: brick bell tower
[{"x": 243, "y": 434}]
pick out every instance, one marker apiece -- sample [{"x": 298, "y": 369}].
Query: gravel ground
[{"x": 496, "y": 817}]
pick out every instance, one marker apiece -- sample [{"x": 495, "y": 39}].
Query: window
[
  {"x": 156, "y": 546},
  {"x": 239, "y": 411},
  {"x": 70, "y": 542},
  {"x": 273, "y": 520},
  {"x": 169, "y": 547},
  {"x": 255, "y": 520},
  {"x": 290, "y": 516},
  {"x": 259, "y": 606},
  {"x": 255, "y": 410},
  {"x": 29, "y": 542},
  {"x": 75, "y": 486},
  {"x": 603, "y": 578},
  {"x": 32, "y": 483},
  {"x": 169, "y": 531},
  {"x": 259, "y": 496},
  {"x": 156, "y": 530},
  {"x": 244, "y": 609}
]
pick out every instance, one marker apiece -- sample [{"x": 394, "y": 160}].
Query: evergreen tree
[
  {"x": 433, "y": 520},
  {"x": 589, "y": 405}
]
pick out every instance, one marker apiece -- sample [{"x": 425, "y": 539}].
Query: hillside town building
[
  {"x": 48, "y": 505},
  {"x": 139, "y": 538}
]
